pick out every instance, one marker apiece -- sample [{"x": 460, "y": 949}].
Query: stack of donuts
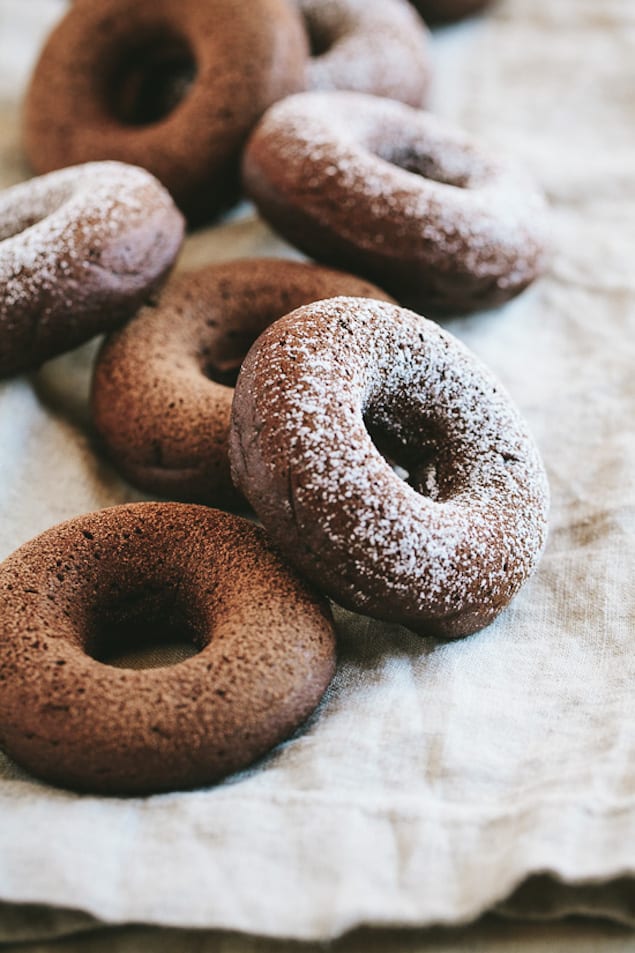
[{"x": 388, "y": 467}]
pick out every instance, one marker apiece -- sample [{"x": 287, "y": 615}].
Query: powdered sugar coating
[
  {"x": 399, "y": 196},
  {"x": 79, "y": 250},
  {"x": 372, "y": 46},
  {"x": 444, "y": 555}
]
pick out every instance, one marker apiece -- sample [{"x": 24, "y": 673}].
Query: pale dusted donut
[
  {"x": 441, "y": 554},
  {"x": 163, "y": 385},
  {"x": 80, "y": 251},
  {"x": 372, "y": 46},
  {"x": 399, "y": 196},
  {"x": 174, "y": 86},
  {"x": 266, "y": 649}
]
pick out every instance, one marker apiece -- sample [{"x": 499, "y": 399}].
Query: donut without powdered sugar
[
  {"x": 266, "y": 649},
  {"x": 80, "y": 251},
  {"x": 398, "y": 196},
  {"x": 443, "y": 553},
  {"x": 163, "y": 385},
  {"x": 372, "y": 46},
  {"x": 108, "y": 82}
]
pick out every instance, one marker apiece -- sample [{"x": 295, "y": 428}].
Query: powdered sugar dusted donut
[
  {"x": 399, "y": 196},
  {"x": 442, "y": 553},
  {"x": 80, "y": 250},
  {"x": 266, "y": 650},
  {"x": 372, "y": 46},
  {"x": 163, "y": 385}
]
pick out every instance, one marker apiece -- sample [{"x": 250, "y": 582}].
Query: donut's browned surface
[
  {"x": 372, "y": 46},
  {"x": 266, "y": 649},
  {"x": 80, "y": 250},
  {"x": 441, "y": 11},
  {"x": 163, "y": 385},
  {"x": 442, "y": 553},
  {"x": 399, "y": 196},
  {"x": 172, "y": 85}
]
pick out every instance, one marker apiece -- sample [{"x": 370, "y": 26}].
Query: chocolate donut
[
  {"x": 266, "y": 649},
  {"x": 442, "y": 11},
  {"x": 442, "y": 553},
  {"x": 372, "y": 46},
  {"x": 80, "y": 250},
  {"x": 108, "y": 82},
  {"x": 398, "y": 196},
  {"x": 163, "y": 385}
]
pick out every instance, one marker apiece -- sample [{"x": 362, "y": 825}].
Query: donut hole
[
  {"x": 419, "y": 162},
  {"x": 321, "y": 40},
  {"x": 413, "y": 461},
  {"x": 146, "y": 630},
  {"x": 25, "y": 214},
  {"x": 224, "y": 365},
  {"x": 12, "y": 228},
  {"x": 151, "y": 80},
  {"x": 224, "y": 372}
]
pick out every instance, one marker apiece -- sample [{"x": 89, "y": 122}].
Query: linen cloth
[{"x": 436, "y": 778}]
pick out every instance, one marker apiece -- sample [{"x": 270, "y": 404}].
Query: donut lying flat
[
  {"x": 441, "y": 554},
  {"x": 266, "y": 649},
  {"x": 171, "y": 85},
  {"x": 372, "y": 46},
  {"x": 398, "y": 196},
  {"x": 163, "y": 385},
  {"x": 441, "y": 11},
  {"x": 80, "y": 250}
]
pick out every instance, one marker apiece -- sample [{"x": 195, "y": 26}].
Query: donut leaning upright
[{"x": 94, "y": 95}]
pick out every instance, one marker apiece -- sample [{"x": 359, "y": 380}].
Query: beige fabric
[{"x": 435, "y": 778}]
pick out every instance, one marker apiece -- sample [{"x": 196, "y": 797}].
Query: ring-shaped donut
[
  {"x": 109, "y": 70},
  {"x": 372, "y": 46},
  {"x": 163, "y": 385},
  {"x": 80, "y": 250},
  {"x": 442, "y": 553},
  {"x": 399, "y": 196},
  {"x": 266, "y": 649}
]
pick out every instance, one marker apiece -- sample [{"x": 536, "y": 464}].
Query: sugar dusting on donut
[
  {"x": 373, "y": 46},
  {"x": 45, "y": 226},
  {"x": 76, "y": 241},
  {"x": 398, "y": 193},
  {"x": 381, "y": 546}
]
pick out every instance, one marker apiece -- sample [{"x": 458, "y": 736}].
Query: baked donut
[
  {"x": 265, "y": 649},
  {"x": 442, "y": 553},
  {"x": 396, "y": 195},
  {"x": 373, "y": 46},
  {"x": 80, "y": 250},
  {"x": 108, "y": 82},
  {"x": 163, "y": 385},
  {"x": 442, "y": 11}
]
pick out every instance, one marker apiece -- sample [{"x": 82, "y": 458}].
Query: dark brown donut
[
  {"x": 266, "y": 649},
  {"x": 163, "y": 386},
  {"x": 80, "y": 250},
  {"x": 398, "y": 196},
  {"x": 442, "y": 553},
  {"x": 372, "y": 46},
  {"x": 442, "y": 11},
  {"x": 110, "y": 74}
]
